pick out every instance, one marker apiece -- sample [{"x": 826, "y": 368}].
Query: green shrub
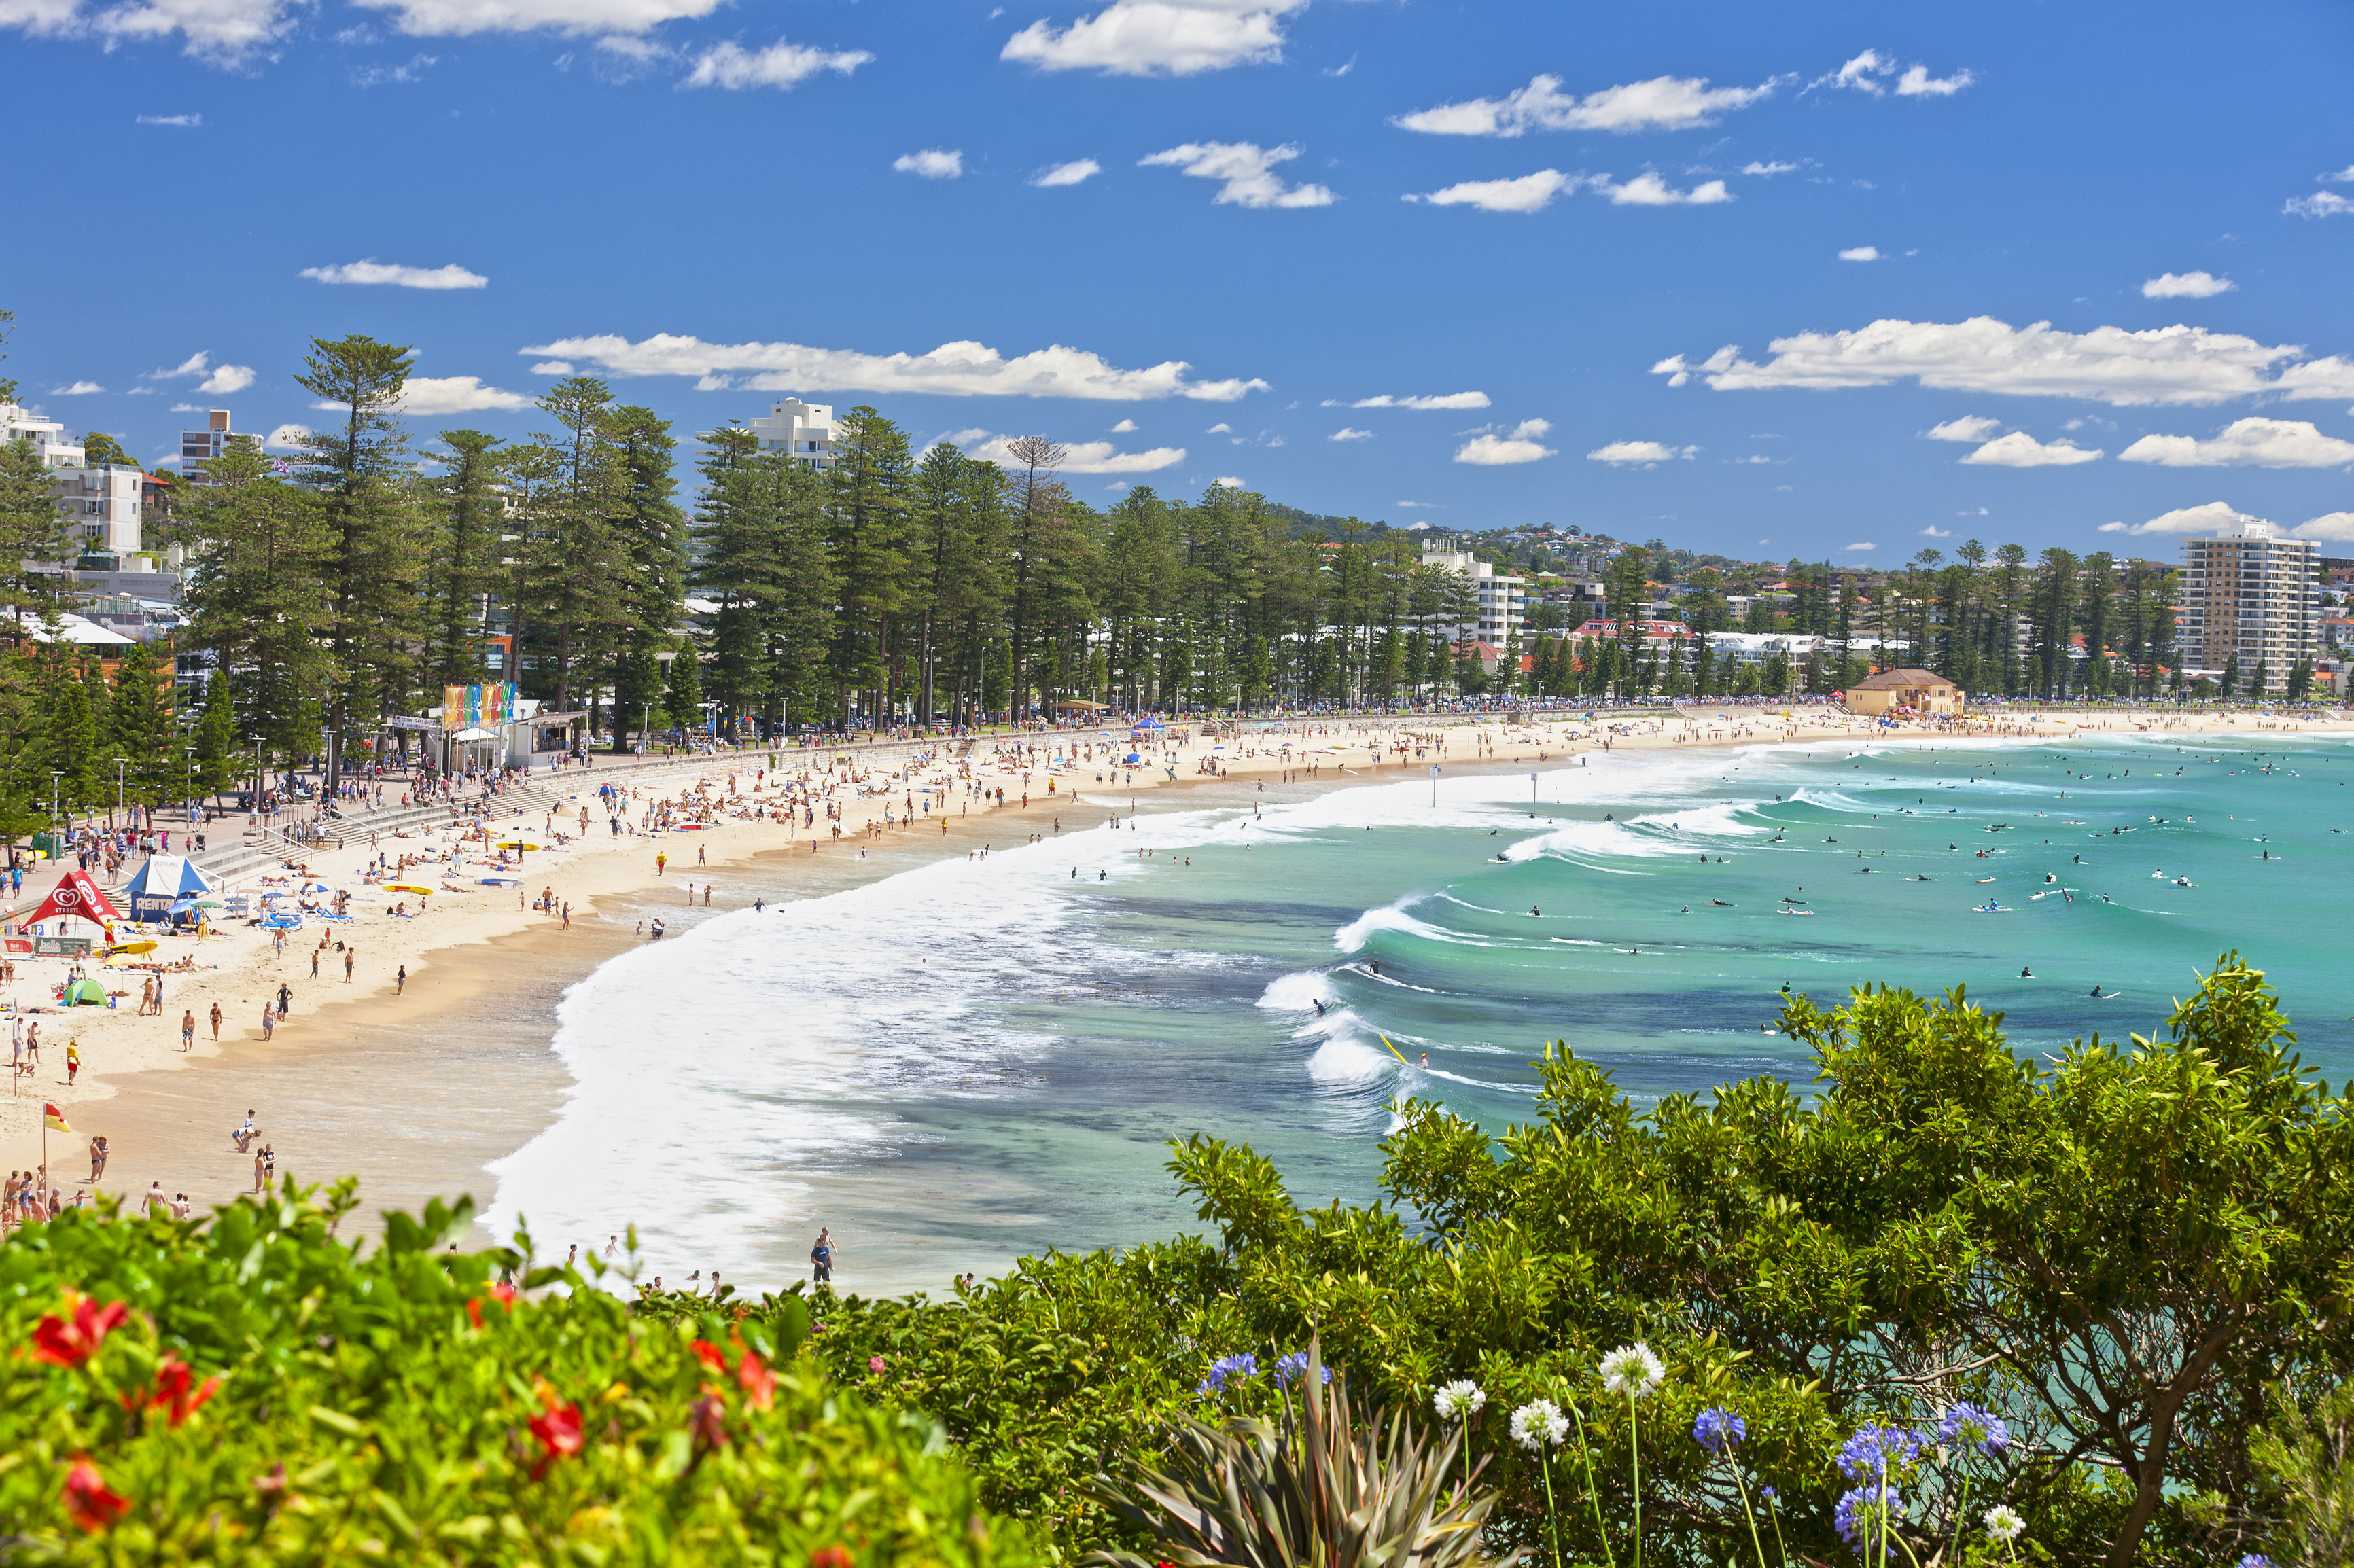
[{"x": 250, "y": 1390}]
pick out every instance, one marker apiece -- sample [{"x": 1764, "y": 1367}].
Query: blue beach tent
[{"x": 162, "y": 886}]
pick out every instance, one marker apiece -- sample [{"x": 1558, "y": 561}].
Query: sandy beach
[{"x": 415, "y": 1086}]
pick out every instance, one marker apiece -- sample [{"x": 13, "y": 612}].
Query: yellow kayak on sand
[{"x": 406, "y": 887}]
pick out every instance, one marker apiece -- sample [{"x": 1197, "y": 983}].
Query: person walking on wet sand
[
  {"x": 216, "y": 1018},
  {"x": 662, "y": 861},
  {"x": 188, "y": 1031},
  {"x": 351, "y": 956},
  {"x": 821, "y": 1256},
  {"x": 400, "y": 979}
]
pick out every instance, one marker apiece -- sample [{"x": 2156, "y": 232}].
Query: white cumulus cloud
[
  {"x": 586, "y": 18},
  {"x": 962, "y": 369},
  {"x": 1859, "y": 544},
  {"x": 1525, "y": 193},
  {"x": 2215, "y": 517},
  {"x": 1436, "y": 400},
  {"x": 215, "y": 379},
  {"x": 1070, "y": 173},
  {"x": 1641, "y": 454},
  {"x": 1158, "y": 38},
  {"x": 1968, "y": 427},
  {"x": 731, "y": 66},
  {"x": 1868, "y": 72},
  {"x": 76, "y": 389},
  {"x": 932, "y": 163},
  {"x": 2186, "y": 286},
  {"x": 2019, "y": 450},
  {"x": 1078, "y": 457},
  {"x": 1245, "y": 173},
  {"x": 1860, "y": 253},
  {"x": 1345, "y": 434},
  {"x": 185, "y": 122},
  {"x": 1125, "y": 427},
  {"x": 1916, "y": 82},
  {"x": 1662, "y": 103},
  {"x": 2176, "y": 364},
  {"x": 1767, "y": 171},
  {"x": 224, "y": 32},
  {"x": 1650, "y": 190},
  {"x": 2336, "y": 527},
  {"x": 374, "y": 271},
  {"x": 2320, "y": 204},
  {"x": 430, "y": 394},
  {"x": 1488, "y": 450},
  {"x": 286, "y": 436},
  {"x": 2245, "y": 443}
]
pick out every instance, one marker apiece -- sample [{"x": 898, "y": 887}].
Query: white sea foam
[{"x": 1296, "y": 992}]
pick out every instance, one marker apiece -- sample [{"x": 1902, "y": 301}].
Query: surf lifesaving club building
[{"x": 1907, "y": 690}]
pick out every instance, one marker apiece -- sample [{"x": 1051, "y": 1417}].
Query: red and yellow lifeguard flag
[{"x": 53, "y": 1118}]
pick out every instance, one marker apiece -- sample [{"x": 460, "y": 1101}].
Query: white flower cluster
[
  {"x": 1539, "y": 1422},
  {"x": 1459, "y": 1401},
  {"x": 1632, "y": 1371},
  {"x": 2003, "y": 1524}
]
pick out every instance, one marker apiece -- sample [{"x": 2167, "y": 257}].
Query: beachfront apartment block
[
  {"x": 1504, "y": 600},
  {"x": 804, "y": 432},
  {"x": 101, "y": 506},
  {"x": 2248, "y": 596},
  {"x": 198, "y": 448},
  {"x": 47, "y": 437}
]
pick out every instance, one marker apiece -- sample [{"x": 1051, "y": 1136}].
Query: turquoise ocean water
[{"x": 974, "y": 1060}]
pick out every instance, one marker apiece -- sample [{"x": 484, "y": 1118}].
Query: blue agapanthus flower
[
  {"x": 1240, "y": 1367},
  {"x": 1862, "y": 1510},
  {"x": 1969, "y": 1424},
  {"x": 1876, "y": 1450},
  {"x": 2256, "y": 1560},
  {"x": 1292, "y": 1368},
  {"x": 1719, "y": 1429}
]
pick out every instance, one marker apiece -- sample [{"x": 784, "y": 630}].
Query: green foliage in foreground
[
  {"x": 2118, "y": 1251},
  {"x": 402, "y": 1407}
]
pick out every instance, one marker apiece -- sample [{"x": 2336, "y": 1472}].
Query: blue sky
[{"x": 1760, "y": 279}]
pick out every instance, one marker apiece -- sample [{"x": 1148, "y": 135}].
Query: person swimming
[{"x": 2025, "y": 972}]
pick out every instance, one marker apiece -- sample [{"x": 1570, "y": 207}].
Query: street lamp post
[
  {"x": 1434, "y": 786},
  {"x": 255, "y": 818},
  {"x": 57, "y": 811},
  {"x": 119, "y": 763}
]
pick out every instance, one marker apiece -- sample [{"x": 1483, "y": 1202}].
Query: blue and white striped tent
[{"x": 165, "y": 880}]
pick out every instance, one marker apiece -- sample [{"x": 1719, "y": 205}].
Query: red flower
[
  {"x": 710, "y": 1355},
  {"x": 559, "y": 1430},
  {"x": 504, "y": 1295},
  {"x": 708, "y": 1421},
  {"x": 875, "y": 1364},
  {"x": 65, "y": 1344},
  {"x": 831, "y": 1557},
  {"x": 175, "y": 1394},
  {"x": 760, "y": 1382},
  {"x": 88, "y": 1501}
]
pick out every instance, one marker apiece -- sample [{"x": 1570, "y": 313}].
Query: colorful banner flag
[{"x": 54, "y": 1118}]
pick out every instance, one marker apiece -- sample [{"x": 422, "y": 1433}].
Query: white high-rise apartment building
[
  {"x": 101, "y": 506},
  {"x": 2252, "y": 597},
  {"x": 1503, "y": 601},
  {"x": 47, "y": 436},
  {"x": 802, "y": 431}
]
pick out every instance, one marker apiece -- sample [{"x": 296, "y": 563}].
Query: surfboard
[
  {"x": 1394, "y": 1050},
  {"x": 405, "y": 887}
]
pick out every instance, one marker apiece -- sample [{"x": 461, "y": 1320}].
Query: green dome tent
[{"x": 85, "y": 992}]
